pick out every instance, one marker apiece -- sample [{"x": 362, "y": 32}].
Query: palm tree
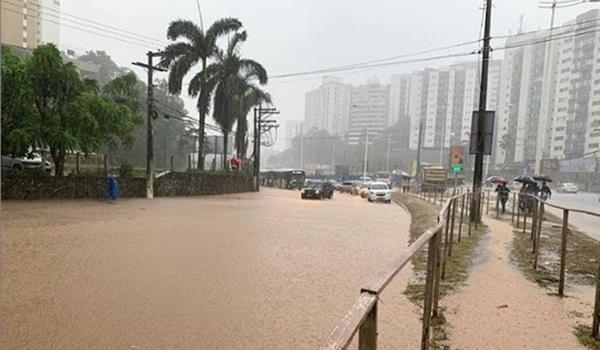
[
  {"x": 250, "y": 96},
  {"x": 231, "y": 76},
  {"x": 181, "y": 57}
]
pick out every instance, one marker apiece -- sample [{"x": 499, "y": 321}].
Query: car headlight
[{"x": 317, "y": 191}]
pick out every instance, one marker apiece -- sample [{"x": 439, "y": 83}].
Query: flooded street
[{"x": 251, "y": 271}]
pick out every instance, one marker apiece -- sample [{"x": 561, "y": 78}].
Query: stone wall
[{"x": 34, "y": 186}]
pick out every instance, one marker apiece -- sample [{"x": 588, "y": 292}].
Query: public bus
[{"x": 283, "y": 178}]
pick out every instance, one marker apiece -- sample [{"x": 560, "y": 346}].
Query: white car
[
  {"x": 379, "y": 191},
  {"x": 567, "y": 187}
]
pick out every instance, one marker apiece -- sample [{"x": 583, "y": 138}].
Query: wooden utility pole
[
  {"x": 478, "y": 171},
  {"x": 151, "y": 114}
]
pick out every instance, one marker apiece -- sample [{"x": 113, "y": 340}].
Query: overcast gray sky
[{"x": 289, "y": 35}]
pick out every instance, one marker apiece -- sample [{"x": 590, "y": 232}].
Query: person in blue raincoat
[{"x": 112, "y": 192}]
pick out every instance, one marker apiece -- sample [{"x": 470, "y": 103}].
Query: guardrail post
[
  {"x": 534, "y": 223},
  {"x": 538, "y": 232},
  {"x": 462, "y": 211},
  {"x": 432, "y": 247},
  {"x": 563, "y": 253},
  {"x": 469, "y": 214},
  {"x": 596, "y": 322},
  {"x": 512, "y": 218},
  {"x": 438, "y": 274},
  {"x": 367, "y": 334},
  {"x": 452, "y": 225},
  {"x": 487, "y": 205},
  {"x": 445, "y": 243},
  {"x": 434, "y": 197},
  {"x": 497, "y": 206},
  {"x": 524, "y": 221}
]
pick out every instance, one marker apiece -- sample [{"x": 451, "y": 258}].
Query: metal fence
[{"x": 439, "y": 239}]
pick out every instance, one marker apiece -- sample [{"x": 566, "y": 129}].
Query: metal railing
[
  {"x": 362, "y": 316},
  {"x": 536, "y": 209}
]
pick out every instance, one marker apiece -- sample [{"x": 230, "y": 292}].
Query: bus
[{"x": 283, "y": 178}]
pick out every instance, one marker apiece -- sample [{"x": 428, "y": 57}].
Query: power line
[
  {"x": 81, "y": 29},
  {"x": 86, "y": 22}
]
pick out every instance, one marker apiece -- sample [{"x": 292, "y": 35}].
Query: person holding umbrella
[
  {"x": 503, "y": 194},
  {"x": 545, "y": 192}
]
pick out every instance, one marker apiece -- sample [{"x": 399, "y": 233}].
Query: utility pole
[
  {"x": 546, "y": 101},
  {"x": 333, "y": 158},
  {"x": 151, "y": 115},
  {"x": 261, "y": 124},
  {"x": 302, "y": 151},
  {"x": 366, "y": 159},
  {"x": 419, "y": 145},
  {"x": 478, "y": 170},
  {"x": 387, "y": 159}
]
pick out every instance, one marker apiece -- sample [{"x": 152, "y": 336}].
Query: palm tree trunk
[
  {"x": 201, "y": 120},
  {"x": 225, "y": 142}
]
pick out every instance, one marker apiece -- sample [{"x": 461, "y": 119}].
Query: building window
[{"x": 593, "y": 145}]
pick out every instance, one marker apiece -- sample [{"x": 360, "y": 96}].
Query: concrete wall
[{"x": 34, "y": 186}]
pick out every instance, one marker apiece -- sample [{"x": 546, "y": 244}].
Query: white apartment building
[
  {"x": 575, "y": 130},
  {"x": 48, "y": 26},
  {"x": 328, "y": 107},
  {"x": 398, "y": 106},
  {"x": 369, "y": 111},
  {"x": 556, "y": 115},
  {"x": 293, "y": 128},
  {"x": 444, "y": 100}
]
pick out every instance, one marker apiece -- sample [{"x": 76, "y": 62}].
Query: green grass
[
  {"x": 424, "y": 216},
  {"x": 581, "y": 259},
  {"x": 584, "y": 335}
]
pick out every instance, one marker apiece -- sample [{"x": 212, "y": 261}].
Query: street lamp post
[{"x": 366, "y": 157}]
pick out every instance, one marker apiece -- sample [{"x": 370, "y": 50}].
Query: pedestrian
[
  {"x": 545, "y": 192},
  {"x": 532, "y": 191},
  {"x": 112, "y": 192},
  {"x": 503, "y": 193},
  {"x": 523, "y": 198}
]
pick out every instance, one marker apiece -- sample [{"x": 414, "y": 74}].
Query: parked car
[
  {"x": 34, "y": 162},
  {"x": 346, "y": 186},
  {"x": 12, "y": 164},
  {"x": 379, "y": 191},
  {"x": 567, "y": 187},
  {"x": 317, "y": 189}
]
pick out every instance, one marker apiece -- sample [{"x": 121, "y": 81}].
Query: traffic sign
[{"x": 457, "y": 169}]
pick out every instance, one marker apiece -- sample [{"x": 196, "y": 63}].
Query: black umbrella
[
  {"x": 524, "y": 179},
  {"x": 545, "y": 178}
]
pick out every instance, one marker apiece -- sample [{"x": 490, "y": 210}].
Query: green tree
[
  {"x": 73, "y": 114},
  {"x": 196, "y": 47},
  {"x": 231, "y": 75},
  {"x": 19, "y": 121},
  {"x": 250, "y": 95}
]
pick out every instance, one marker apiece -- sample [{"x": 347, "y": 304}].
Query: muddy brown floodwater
[{"x": 250, "y": 271}]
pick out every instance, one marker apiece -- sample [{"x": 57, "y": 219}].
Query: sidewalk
[{"x": 499, "y": 309}]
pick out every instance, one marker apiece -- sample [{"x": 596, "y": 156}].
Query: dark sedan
[{"x": 317, "y": 190}]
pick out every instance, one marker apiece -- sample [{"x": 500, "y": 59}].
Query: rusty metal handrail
[{"x": 362, "y": 316}]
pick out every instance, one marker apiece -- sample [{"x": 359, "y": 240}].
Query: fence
[
  {"x": 536, "y": 209},
  {"x": 362, "y": 317}
]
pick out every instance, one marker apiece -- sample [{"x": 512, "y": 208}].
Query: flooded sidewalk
[{"x": 499, "y": 308}]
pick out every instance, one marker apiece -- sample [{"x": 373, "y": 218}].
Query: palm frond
[
  {"x": 173, "y": 51},
  {"x": 233, "y": 48},
  {"x": 186, "y": 29},
  {"x": 252, "y": 68},
  {"x": 222, "y": 27},
  {"x": 179, "y": 68}
]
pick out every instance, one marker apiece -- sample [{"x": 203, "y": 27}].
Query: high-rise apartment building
[
  {"x": 293, "y": 128},
  {"x": 553, "y": 114},
  {"x": 328, "y": 107},
  {"x": 369, "y": 111},
  {"x": 444, "y": 99},
  {"x": 21, "y": 25},
  {"x": 29, "y": 23}
]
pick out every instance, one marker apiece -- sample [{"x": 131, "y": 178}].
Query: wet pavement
[{"x": 249, "y": 271}]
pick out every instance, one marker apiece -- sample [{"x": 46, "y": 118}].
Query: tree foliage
[
  {"x": 196, "y": 46},
  {"x": 52, "y": 107}
]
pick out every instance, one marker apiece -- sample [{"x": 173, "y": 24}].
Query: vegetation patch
[
  {"x": 584, "y": 335},
  {"x": 581, "y": 259},
  {"x": 424, "y": 216}
]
